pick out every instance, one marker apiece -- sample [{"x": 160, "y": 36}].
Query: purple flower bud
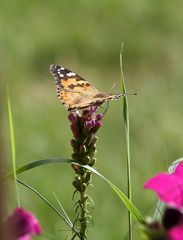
[
  {"x": 98, "y": 124},
  {"x": 89, "y": 124},
  {"x": 73, "y": 117},
  {"x": 93, "y": 109},
  {"x": 99, "y": 116},
  {"x": 90, "y": 112},
  {"x": 22, "y": 225},
  {"x": 84, "y": 126}
]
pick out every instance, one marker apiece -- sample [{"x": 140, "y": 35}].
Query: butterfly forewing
[
  {"x": 69, "y": 80},
  {"x": 71, "y": 88},
  {"x": 75, "y": 92}
]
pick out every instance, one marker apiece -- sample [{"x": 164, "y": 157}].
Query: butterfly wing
[{"x": 71, "y": 88}]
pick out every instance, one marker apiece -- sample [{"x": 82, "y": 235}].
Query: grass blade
[
  {"x": 12, "y": 141},
  {"x": 31, "y": 165},
  {"x": 62, "y": 208},
  {"x": 50, "y": 205},
  {"x": 127, "y": 134},
  {"x": 131, "y": 208}
]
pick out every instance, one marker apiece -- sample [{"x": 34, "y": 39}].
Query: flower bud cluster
[{"x": 84, "y": 127}]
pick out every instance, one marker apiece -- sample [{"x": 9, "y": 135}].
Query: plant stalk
[{"x": 83, "y": 222}]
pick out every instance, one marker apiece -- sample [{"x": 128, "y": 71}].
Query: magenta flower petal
[
  {"x": 176, "y": 233},
  {"x": 22, "y": 225},
  {"x": 169, "y": 187},
  {"x": 179, "y": 170},
  {"x": 24, "y": 238}
]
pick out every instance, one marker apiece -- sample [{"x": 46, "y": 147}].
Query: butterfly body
[{"x": 75, "y": 92}]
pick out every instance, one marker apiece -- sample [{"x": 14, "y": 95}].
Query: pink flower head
[
  {"x": 169, "y": 187},
  {"x": 21, "y": 225},
  {"x": 173, "y": 223}
]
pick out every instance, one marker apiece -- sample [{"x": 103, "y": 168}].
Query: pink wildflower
[
  {"x": 21, "y": 225},
  {"x": 169, "y": 187}
]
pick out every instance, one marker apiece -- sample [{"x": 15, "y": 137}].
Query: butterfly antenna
[
  {"x": 126, "y": 94},
  {"x": 113, "y": 87}
]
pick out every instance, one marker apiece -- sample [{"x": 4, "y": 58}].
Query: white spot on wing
[
  {"x": 62, "y": 68},
  {"x": 70, "y": 74}
]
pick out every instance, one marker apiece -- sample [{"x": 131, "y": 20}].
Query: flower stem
[
  {"x": 83, "y": 210},
  {"x": 84, "y": 126}
]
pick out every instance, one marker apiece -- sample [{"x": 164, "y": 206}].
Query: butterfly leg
[{"x": 105, "y": 108}]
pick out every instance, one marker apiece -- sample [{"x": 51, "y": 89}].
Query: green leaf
[
  {"x": 35, "y": 164},
  {"x": 129, "y": 205}
]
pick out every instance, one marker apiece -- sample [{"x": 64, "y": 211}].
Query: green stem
[
  {"x": 83, "y": 223},
  {"x": 12, "y": 141},
  {"x": 127, "y": 134}
]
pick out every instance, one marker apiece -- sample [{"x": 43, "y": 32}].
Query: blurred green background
[{"x": 85, "y": 36}]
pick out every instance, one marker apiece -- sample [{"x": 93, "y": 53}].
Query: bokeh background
[{"x": 85, "y": 36}]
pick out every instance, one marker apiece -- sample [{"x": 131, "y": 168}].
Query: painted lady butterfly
[{"x": 75, "y": 92}]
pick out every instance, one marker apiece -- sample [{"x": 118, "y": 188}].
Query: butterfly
[{"x": 77, "y": 93}]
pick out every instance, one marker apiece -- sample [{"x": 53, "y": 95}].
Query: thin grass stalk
[
  {"x": 12, "y": 141},
  {"x": 2, "y": 158},
  {"x": 50, "y": 205},
  {"x": 62, "y": 208},
  {"x": 127, "y": 136}
]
